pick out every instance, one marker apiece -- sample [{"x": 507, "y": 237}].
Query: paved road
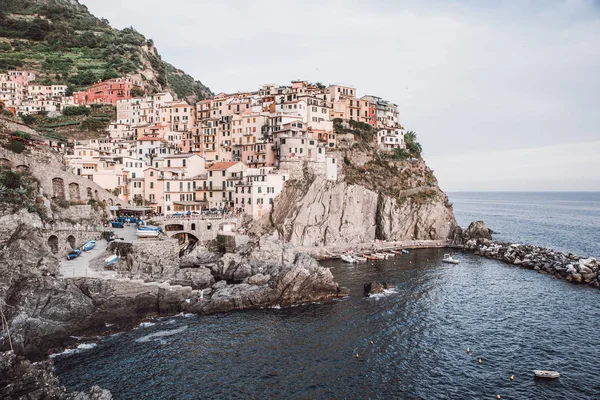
[{"x": 81, "y": 265}]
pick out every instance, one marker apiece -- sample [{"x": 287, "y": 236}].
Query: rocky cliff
[{"x": 374, "y": 199}]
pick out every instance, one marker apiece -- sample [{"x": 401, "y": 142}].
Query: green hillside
[{"x": 65, "y": 44}]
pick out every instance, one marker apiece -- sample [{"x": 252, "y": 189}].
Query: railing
[{"x": 63, "y": 227}]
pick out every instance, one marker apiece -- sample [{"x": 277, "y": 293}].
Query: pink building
[{"x": 108, "y": 92}]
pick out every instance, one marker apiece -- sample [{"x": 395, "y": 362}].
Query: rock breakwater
[{"x": 560, "y": 265}]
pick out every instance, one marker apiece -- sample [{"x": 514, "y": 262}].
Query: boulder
[{"x": 478, "y": 230}]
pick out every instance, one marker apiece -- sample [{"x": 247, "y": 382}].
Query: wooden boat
[
  {"x": 370, "y": 257},
  {"x": 116, "y": 224},
  {"x": 448, "y": 259},
  {"x": 390, "y": 253},
  {"x": 348, "y": 259},
  {"x": 360, "y": 259},
  {"x": 73, "y": 254},
  {"x": 381, "y": 256},
  {"x": 146, "y": 233},
  {"x": 89, "y": 245},
  {"x": 546, "y": 374}
]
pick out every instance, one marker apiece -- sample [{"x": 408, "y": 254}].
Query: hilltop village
[{"x": 231, "y": 152}]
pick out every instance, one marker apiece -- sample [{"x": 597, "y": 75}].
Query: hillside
[{"x": 65, "y": 44}]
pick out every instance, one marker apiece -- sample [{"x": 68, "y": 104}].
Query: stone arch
[
  {"x": 5, "y": 163},
  {"x": 58, "y": 188},
  {"x": 89, "y": 193},
  {"x": 53, "y": 243},
  {"x": 174, "y": 227},
  {"x": 96, "y": 195},
  {"x": 22, "y": 168},
  {"x": 193, "y": 227},
  {"x": 74, "y": 194},
  {"x": 71, "y": 241},
  {"x": 110, "y": 202},
  {"x": 185, "y": 237}
]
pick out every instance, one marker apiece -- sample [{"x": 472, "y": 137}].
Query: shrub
[
  {"x": 17, "y": 146},
  {"x": 63, "y": 203},
  {"x": 76, "y": 110},
  {"x": 11, "y": 179}
]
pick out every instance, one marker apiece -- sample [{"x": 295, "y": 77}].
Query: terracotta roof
[{"x": 222, "y": 165}]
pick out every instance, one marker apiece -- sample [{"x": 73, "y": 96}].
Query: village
[{"x": 228, "y": 153}]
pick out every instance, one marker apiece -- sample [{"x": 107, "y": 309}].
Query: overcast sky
[{"x": 503, "y": 95}]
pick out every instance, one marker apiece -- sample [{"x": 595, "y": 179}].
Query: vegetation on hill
[{"x": 65, "y": 44}]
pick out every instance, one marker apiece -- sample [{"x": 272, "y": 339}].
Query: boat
[
  {"x": 404, "y": 251},
  {"x": 448, "y": 259},
  {"x": 380, "y": 256},
  {"x": 149, "y": 228},
  {"x": 397, "y": 252},
  {"x": 360, "y": 259},
  {"x": 116, "y": 224},
  {"x": 111, "y": 260},
  {"x": 89, "y": 245},
  {"x": 390, "y": 253},
  {"x": 146, "y": 233},
  {"x": 132, "y": 220},
  {"x": 73, "y": 254},
  {"x": 348, "y": 259},
  {"x": 370, "y": 257},
  {"x": 546, "y": 374}
]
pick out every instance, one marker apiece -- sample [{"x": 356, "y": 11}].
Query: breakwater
[{"x": 568, "y": 266}]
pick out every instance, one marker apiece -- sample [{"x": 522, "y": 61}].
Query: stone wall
[
  {"x": 57, "y": 183},
  {"x": 58, "y": 241},
  {"x": 202, "y": 229}
]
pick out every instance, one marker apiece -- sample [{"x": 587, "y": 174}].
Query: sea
[{"x": 408, "y": 343}]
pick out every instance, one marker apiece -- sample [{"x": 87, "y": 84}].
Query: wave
[
  {"x": 160, "y": 334},
  {"x": 78, "y": 349},
  {"x": 386, "y": 292},
  {"x": 147, "y": 324}
]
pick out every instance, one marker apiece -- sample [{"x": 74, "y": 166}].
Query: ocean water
[
  {"x": 564, "y": 221},
  {"x": 514, "y": 320}
]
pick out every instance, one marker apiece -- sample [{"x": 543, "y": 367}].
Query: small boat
[
  {"x": 132, "y": 220},
  {"x": 370, "y": 257},
  {"x": 390, "y": 253},
  {"x": 73, "y": 254},
  {"x": 89, "y": 245},
  {"x": 546, "y": 374},
  {"x": 381, "y": 256},
  {"x": 360, "y": 259},
  {"x": 348, "y": 259},
  {"x": 448, "y": 259},
  {"x": 111, "y": 260},
  {"x": 404, "y": 251},
  {"x": 397, "y": 252},
  {"x": 149, "y": 228},
  {"x": 116, "y": 224},
  {"x": 147, "y": 233}
]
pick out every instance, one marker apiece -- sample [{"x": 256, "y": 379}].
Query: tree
[
  {"x": 414, "y": 147},
  {"x": 28, "y": 119}
]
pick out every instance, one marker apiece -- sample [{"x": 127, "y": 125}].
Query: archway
[
  {"x": 173, "y": 227},
  {"x": 53, "y": 243},
  {"x": 74, "y": 194},
  {"x": 96, "y": 195},
  {"x": 110, "y": 202},
  {"x": 185, "y": 237},
  {"x": 22, "y": 168},
  {"x": 89, "y": 193},
  {"x": 58, "y": 188},
  {"x": 5, "y": 163},
  {"x": 71, "y": 241}
]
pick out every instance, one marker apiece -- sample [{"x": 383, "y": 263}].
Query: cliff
[{"x": 375, "y": 198}]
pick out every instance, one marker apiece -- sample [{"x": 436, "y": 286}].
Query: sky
[{"x": 503, "y": 95}]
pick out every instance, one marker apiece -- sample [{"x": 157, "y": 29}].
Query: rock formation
[{"x": 323, "y": 213}]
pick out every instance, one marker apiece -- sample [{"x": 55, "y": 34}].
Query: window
[
  {"x": 223, "y": 173},
  {"x": 151, "y": 185},
  {"x": 168, "y": 186},
  {"x": 184, "y": 163},
  {"x": 260, "y": 189}
]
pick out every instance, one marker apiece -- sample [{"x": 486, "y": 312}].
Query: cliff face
[{"x": 374, "y": 199}]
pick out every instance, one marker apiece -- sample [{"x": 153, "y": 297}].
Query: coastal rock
[
  {"x": 326, "y": 213},
  {"x": 200, "y": 255},
  {"x": 197, "y": 278},
  {"x": 95, "y": 393},
  {"x": 22, "y": 379},
  {"x": 277, "y": 274},
  {"x": 478, "y": 230},
  {"x": 375, "y": 288}
]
